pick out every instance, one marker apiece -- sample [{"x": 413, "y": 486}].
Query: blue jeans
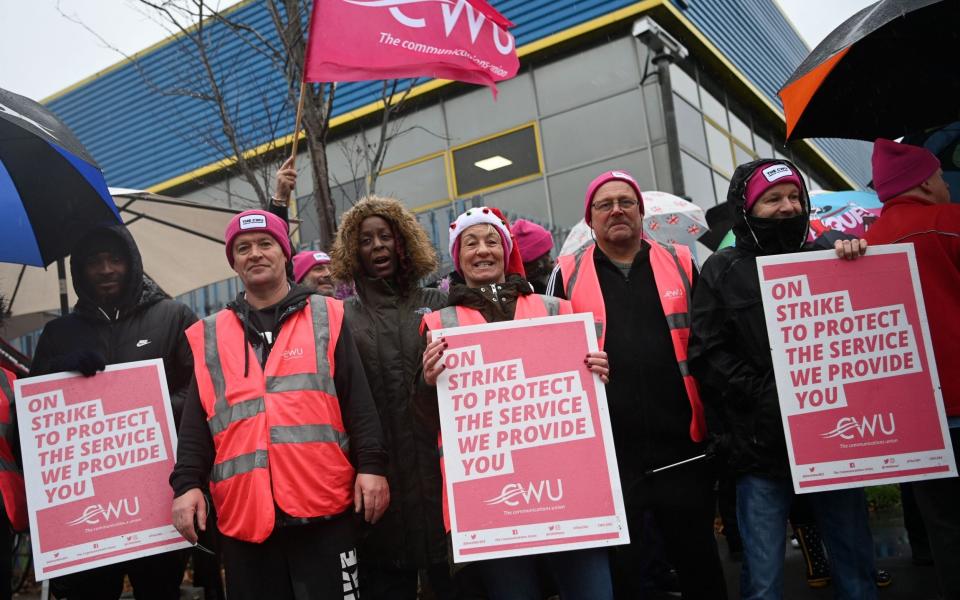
[
  {"x": 763, "y": 506},
  {"x": 578, "y": 575}
]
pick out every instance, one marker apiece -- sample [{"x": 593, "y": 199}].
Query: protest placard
[
  {"x": 97, "y": 452},
  {"x": 856, "y": 376},
  {"x": 527, "y": 444}
]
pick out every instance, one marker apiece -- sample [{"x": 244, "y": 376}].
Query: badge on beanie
[
  {"x": 253, "y": 222},
  {"x": 622, "y": 175},
  {"x": 321, "y": 256},
  {"x": 777, "y": 172}
]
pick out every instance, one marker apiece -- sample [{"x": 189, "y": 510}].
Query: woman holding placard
[{"x": 489, "y": 286}]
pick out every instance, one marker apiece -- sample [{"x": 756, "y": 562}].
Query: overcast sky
[{"x": 42, "y": 51}]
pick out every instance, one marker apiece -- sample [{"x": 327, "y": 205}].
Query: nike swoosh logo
[{"x": 142, "y": 343}]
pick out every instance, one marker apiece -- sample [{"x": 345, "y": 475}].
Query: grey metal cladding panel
[{"x": 138, "y": 137}]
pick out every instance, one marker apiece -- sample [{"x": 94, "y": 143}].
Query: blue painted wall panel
[{"x": 142, "y": 133}]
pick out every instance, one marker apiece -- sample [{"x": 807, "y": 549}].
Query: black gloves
[
  {"x": 87, "y": 362},
  {"x": 718, "y": 446}
]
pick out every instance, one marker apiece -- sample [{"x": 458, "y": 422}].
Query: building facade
[{"x": 678, "y": 92}]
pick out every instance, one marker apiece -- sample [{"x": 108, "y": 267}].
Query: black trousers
[
  {"x": 156, "y": 577},
  {"x": 939, "y": 503},
  {"x": 317, "y": 561},
  {"x": 386, "y": 583},
  {"x": 682, "y": 502}
]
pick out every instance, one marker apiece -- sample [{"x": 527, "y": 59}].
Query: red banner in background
[{"x": 358, "y": 40}]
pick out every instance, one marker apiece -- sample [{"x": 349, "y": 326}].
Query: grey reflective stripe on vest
[
  {"x": 684, "y": 369},
  {"x": 6, "y": 428},
  {"x": 551, "y": 304},
  {"x": 321, "y": 381},
  {"x": 449, "y": 318},
  {"x": 222, "y": 413},
  {"x": 300, "y": 434},
  {"x": 5, "y": 389},
  {"x": 239, "y": 465},
  {"x": 235, "y": 412},
  {"x": 678, "y": 321},
  {"x": 303, "y": 382}
]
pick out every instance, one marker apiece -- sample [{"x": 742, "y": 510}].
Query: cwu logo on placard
[
  {"x": 850, "y": 428},
  {"x": 452, "y": 12},
  {"x": 513, "y": 494},
  {"x": 95, "y": 514}
]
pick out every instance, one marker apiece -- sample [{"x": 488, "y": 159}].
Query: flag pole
[{"x": 296, "y": 123}]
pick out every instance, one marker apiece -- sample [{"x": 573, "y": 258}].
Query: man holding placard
[
  {"x": 121, "y": 316},
  {"x": 729, "y": 352}
]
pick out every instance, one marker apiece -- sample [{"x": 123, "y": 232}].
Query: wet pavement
[{"x": 909, "y": 581}]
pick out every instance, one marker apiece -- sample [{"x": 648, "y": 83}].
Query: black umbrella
[
  {"x": 888, "y": 70},
  {"x": 51, "y": 190}
]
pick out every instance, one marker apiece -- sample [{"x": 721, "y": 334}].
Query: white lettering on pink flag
[{"x": 357, "y": 40}]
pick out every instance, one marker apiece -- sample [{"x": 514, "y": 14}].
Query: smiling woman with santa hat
[{"x": 489, "y": 285}]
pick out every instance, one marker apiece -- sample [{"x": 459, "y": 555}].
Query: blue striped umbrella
[{"x": 51, "y": 190}]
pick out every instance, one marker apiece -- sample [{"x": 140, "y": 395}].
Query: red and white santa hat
[{"x": 490, "y": 216}]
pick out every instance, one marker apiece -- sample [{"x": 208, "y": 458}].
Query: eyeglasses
[{"x": 606, "y": 206}]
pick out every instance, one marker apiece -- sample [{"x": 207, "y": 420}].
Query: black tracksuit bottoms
[{"x": 316, "y": 561}]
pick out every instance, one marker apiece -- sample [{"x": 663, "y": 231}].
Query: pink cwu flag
[{"x": 357, "y": 40}]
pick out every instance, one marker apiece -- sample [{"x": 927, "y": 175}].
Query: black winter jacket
[
  {"x": 146, "y": 324},
  {"x": 729, "y": 352},
  {"x": 386, "y": 328}
]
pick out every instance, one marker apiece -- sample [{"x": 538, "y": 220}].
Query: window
[
  {"x": 684, "y": 85},
  {"x": 764, "y": 148},
  {"x": 721, "y": 155},
  {"x": 713, "y": 108},
  {"x": 722, "y": 186},
  {"x": 742, "y": 154},
  {"x": 697, "y": 181},
  {"x": 690, "y": 127},
  {"x": 740, "y": 130},
  {"x": 496, "y": 161}
]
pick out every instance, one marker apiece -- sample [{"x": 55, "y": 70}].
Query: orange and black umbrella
[{"x": 891, "y": 69}]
